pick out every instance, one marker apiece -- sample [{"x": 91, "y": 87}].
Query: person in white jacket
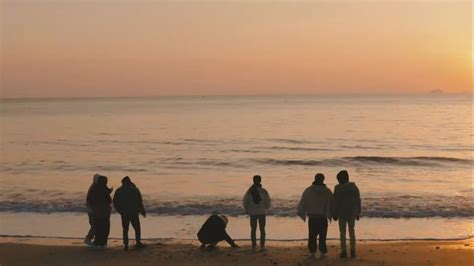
[
  {"x": 316, "y": 203},
  {"x": 256, "y": 203}
]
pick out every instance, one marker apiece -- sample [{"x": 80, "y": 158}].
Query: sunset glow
[{"x": 140, "y": 48}]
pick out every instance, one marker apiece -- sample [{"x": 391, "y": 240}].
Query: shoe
[
  {"x": 343, "y": 255},
  {"x": 88, "y": 241},
  {"x": 323, "y": 255},
  {"x": 125, "y": 248},
  {"x": 353, "y": 254},
  {"x": 262, "y": 249},
  {"x": 312, "y": 255},
  {"x": 211, "y": 247},
  {"x": 140, "y": 245}
]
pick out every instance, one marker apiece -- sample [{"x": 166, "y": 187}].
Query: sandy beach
[{"x": 66, "y": 251}]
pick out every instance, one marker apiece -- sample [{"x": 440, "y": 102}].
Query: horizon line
[{"x": 428, "y": 93}]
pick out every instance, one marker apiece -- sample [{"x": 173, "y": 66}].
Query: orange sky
[{"x": 69, "y": 48}]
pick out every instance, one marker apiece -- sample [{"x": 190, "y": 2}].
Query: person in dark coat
[
  {"x": 347, "y": 209},
  {"x": 213, "y": 231},
  {"x": 99, "y": 201},
  {"x": 316, "y": 204},
  {"x": 128, "y": 202}
]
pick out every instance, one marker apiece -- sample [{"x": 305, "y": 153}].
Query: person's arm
[
  {"x": 108, "y": 199},
  {"x": 246, "y": 201},
  {"x": 335, "y": 205},
  {"x": 301, "y": 208},
  {"x": 229, "y": 240},
  {"x": 115, "y": 202},
  {"x": 330, "y": 205},
  {"x": 268, "y": 201},
  {"x": 358, "y": 203},
  {"x": 91, "y": 197},
  {"x": 140, "y": 203},
  {"x": 88, "y": 200}
]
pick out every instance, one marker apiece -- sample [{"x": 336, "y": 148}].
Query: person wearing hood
[
  {"x": 347, "y": 209},
  {"x": 99, "y": 201},
  {"x": 129, "y": 203},
  {"x": 213, "y": 231},
  {"x": 256, "y": 203},
  {"x": 316, "y": 204}
]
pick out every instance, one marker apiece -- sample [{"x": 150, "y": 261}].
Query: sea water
[{"x": 410, "y": 156}]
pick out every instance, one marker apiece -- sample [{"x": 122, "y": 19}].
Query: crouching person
[
  {"x": 128, "y": 202},
  {"x": 213, "y": 231}
]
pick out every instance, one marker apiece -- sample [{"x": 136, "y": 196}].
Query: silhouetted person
[
  {"x": 99, "y": 200},
  {"x": 128, "y": 202},
  {"x": 90, "y": 235},
  {"x": 316, "y": 203},
  {"x": 347, "y": 206},
  {"x": 256, "y": 203},
  {"x": 213, "y": 231}
]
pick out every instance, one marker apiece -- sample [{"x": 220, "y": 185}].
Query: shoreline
[
  {"x": 76, "y": 225},
  {"x": 71, "y": 251},
  {"x": 248, "y": 239}
]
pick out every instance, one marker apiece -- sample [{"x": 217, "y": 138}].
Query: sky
[{"x": 118, "y": 48}]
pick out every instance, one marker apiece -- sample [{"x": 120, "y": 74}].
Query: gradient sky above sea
[{"x": 96, "y": 48}]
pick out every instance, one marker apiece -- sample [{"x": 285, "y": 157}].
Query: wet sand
[{"x": 65, "y": 251}]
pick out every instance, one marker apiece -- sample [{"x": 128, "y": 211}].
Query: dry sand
[{"x": 56, "y": 251}]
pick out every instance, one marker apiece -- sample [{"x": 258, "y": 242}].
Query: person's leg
[
  {"x": 312, "y": 234},
  {"x": 342, "y": 230},
  {"x": 99, "y": 231},
  {"x": 253, "y": 231},
  {"x": 323, "y": 230},
  {"x": 136, "y": 226},
  {"x": 351, "y": 225},
  {"x": 91, "y": 233},
  {"x": 262, "y": 220},
  {"x": 106, "y": 230},
  {"x": 125, "y": 226}
]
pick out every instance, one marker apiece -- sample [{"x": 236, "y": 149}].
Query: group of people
[
  {"x": 320, "y": 205},
  {"x": 317, "y": 203},
  {"x": 127, "y": 202}
]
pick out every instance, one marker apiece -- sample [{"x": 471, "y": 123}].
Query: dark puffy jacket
[
  {"x": 128, "y": 200},
  {"x": 347, "y": 203},
  {"x": 98, "y": 198},
  {"x": 213, "y": 231}
]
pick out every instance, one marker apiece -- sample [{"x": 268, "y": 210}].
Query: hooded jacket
[
  {"x": 213, "y": 231},
  {"x": 347, "y": 203},
  {"x": 128, "y": 200},
  {"x": 259, "y": 208},
  {"x": 316, "y": 201}
]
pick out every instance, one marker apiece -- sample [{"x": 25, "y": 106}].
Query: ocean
[{"x": 411, "y": 157}]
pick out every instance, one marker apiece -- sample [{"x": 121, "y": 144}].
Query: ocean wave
[
  {"x": 290, "y": 141},
  {"x": 403, "y": 206},
  {"x": 370, "y": 160},
  {"x": 296, "y": 148},
  {"x": 210, "y": 163}
]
